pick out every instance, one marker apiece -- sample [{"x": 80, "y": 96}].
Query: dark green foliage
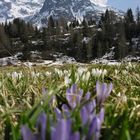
[{"x": 84, "y": 41}]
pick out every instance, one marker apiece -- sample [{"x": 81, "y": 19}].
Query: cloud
[{"x": 100, "y": 2}]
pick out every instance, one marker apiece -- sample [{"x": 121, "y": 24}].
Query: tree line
[{"x": 84, "y": 40}]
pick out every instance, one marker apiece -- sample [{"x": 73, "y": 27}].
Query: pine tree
[
  {"x": 51, "y": 25},
  {"x": 4, "y": 40},
  {"x": 85, "y": 29},
  {"x": 99, "y": 49},
  {"x": 13, "y": 31},
  {"x": 129, "y": 16},
  {"x": 138, "y": 21},
  {"x": 89, "y": 50},
  {"x": 138, "y": 15},
  {"x": 130, "y": 25},
  {"x": 44, "y": 36},
  {"x": 121, "y": 49}
]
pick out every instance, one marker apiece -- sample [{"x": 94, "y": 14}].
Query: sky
[
  {"x": 120, "y": 4},
  {"x": 123, "y": 4}
]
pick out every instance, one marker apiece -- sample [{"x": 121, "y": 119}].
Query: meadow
[{"x": 70, "y": 102}]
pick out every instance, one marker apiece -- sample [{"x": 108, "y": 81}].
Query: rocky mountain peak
[
  {"x": 68, "y": 9},
  {"x": 38, "y": 11}
]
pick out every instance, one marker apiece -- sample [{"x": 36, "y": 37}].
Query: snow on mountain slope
[
  {"x": 69, "y": 9},
  {"x": 38, "y": 11},
  {"x": 10, "y": 9}
]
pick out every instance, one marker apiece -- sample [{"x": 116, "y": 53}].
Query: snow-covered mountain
[
  {"x": 38, "y": 11},
  {"x": 10, "y": 9},
  {"x": 69, "y": 9}
]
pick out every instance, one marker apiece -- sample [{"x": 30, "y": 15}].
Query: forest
[{"x": 84, "y": 40}]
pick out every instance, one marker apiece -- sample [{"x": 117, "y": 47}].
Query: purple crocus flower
[
  {"x": 75, "y": 136},
  {"x": 87, "y": 96},
  {"x": 74, "y": 96},
  {"x": 95, "y": 126},
  {"x": 103, "y": 91},
  {"x": 27, "y": 134},
  {"x": 44, "y": 91},
  {"x": 62, "y": 130},
  {"x": 41, "y": 125},
  {"x": 84, "y": 115},
  {"x": 87, "y": 112},
  {"x": 101, "y": 115},
  {"x": 66, "y": 110},
  {"x": 91, "y": 106},
  {"x": 58, "y": 113}
]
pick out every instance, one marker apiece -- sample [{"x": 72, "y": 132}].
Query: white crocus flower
[
  {"x": 81, "y": 70},
  {"x": 77, "y": 77},
  {"x": 33, "y": 74},
  {"x": 66, "y": 72},
  {"x": 67, "y": 80},
  {"x": 124, "y": 98},
  {"x": 99, "y": 72},
  {"x": 130, "y": 64},
  {"x": 124, "y": 72},
  {"x": 59, "y": 72},
  {"x": 14, "y": 75},
  {"x": 96, "y": 72},
  {"x": 83, "y": 77},
  {"x": 104, "y": 72},
  {"x": 86, "y": 76},
  {"x": 38, "y": 74},
  {"x": 116, "y": 72},
  {"x": 48, "y": 73},
  {"x": 20, "y": 75}
]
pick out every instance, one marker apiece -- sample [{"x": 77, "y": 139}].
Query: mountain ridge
[
  {"x": 68, "y": 9},
  {"x": 38, "y": 11},
  {"x": 10, "y": 9}
]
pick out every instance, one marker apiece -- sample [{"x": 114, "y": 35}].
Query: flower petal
[
  {"x": 84, "y": 115},
  {"x": 62, "y": 130},
  {"x": 41, "y": 125},
  {"x": 26, "y": 133},
  {"x": 75, "y": 136},
  {"x": 58, "y": 113},
  {"x": 101, "y": 115},
  {"x": 87, "y": 96},
  {"x": 109, "y": 89},
  {"x": 95, "y": 127}
]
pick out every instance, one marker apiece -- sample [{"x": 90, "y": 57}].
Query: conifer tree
[
  {"x": 138, "y": 21},
  {"x": 129, "y": 24},
  {"x": 51, "y": 25},
  {"x": 138, "y": 15},
  {"x": 85, "y": 29},
  {"x": 4, "y": 40},
  {"x": 121, "y": 49}
]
